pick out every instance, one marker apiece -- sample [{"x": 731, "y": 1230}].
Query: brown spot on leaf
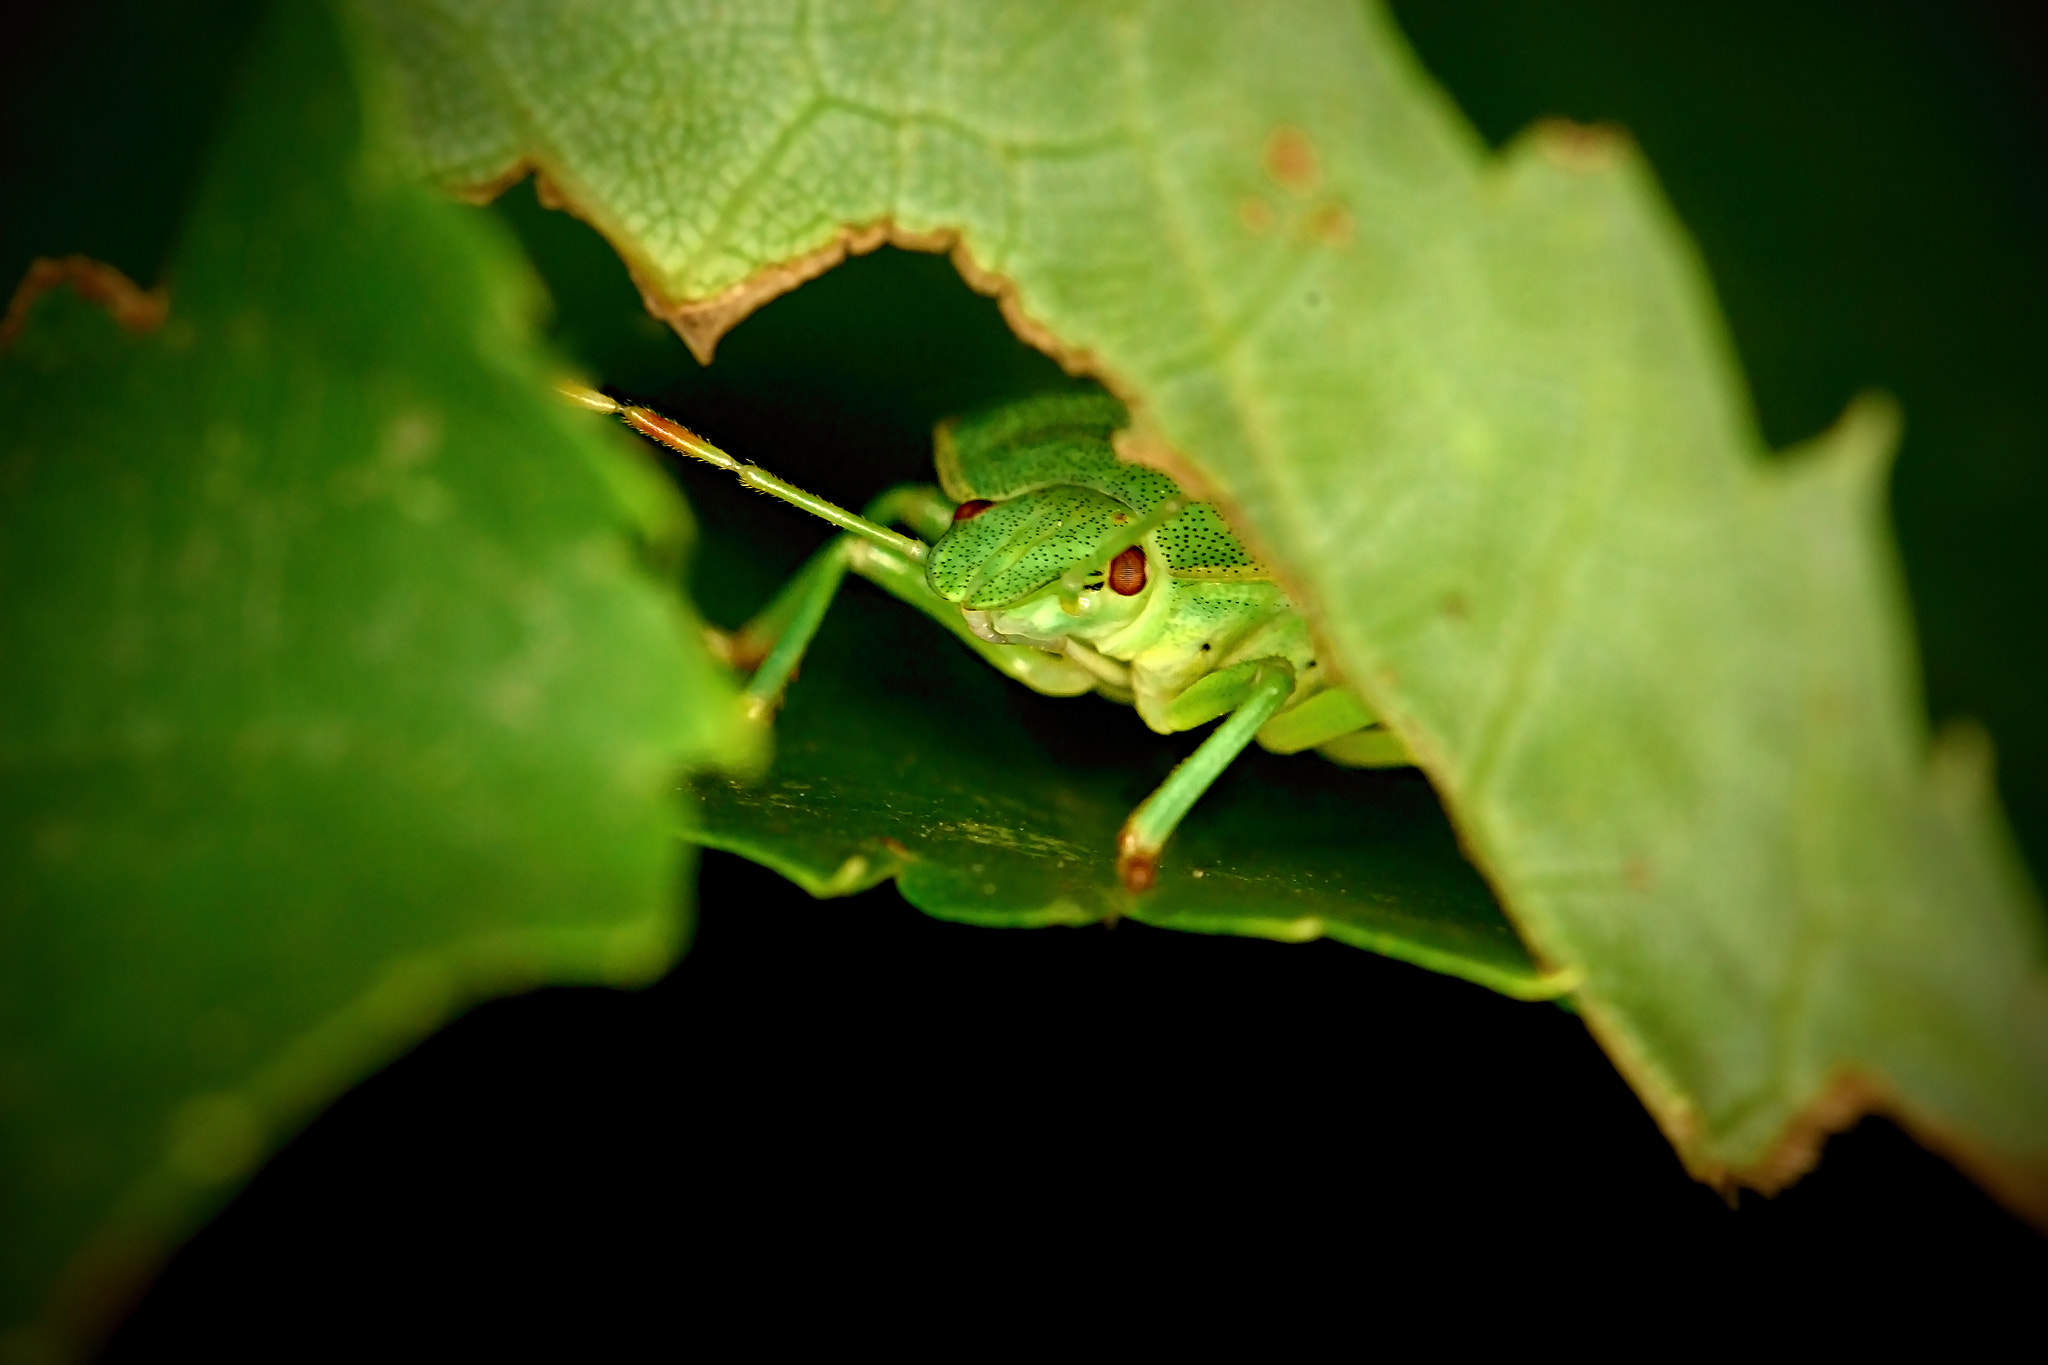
[
  {"x": 1331, "y": 225},
  {"x": 1291, "y": 159},
  {"x": 1456, "y": 607},
  {"x": 1637, "y": 873},
  {"x": 1256, "y": 215},
  {"x": 136, "y": 309}
]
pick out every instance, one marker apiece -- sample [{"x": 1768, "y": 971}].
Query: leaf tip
[
  {"x": 1856, "y": 453},
  {"x": 1872, "y": 423},
  {"x": 1582, "y": 148},
  {"x": 1961, "y": 764}
]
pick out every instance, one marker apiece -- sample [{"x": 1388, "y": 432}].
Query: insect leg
[
  {"x": 1267, "y": 687},
  {"x": 920, "y": 506},
  {"x": 683, "y": 441},
  {"x": 1337, "y": 725},
  {"x": 1332, "y": 712},
  {"x": 783, "y": 630}
]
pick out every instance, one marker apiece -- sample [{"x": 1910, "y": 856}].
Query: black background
[{"x": 846, "y": 1096}]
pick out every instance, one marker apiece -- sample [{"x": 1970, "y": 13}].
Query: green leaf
[
  {"x": 337, "y": 691},
  {"x": 1480, "y": 408}
]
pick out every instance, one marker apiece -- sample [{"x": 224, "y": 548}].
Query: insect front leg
[
  {"x": 1251, "y": 692},
  {"x": 773, "y": 643}
]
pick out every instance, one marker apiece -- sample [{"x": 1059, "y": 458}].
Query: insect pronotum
[{"x": 1071, "y": 571}]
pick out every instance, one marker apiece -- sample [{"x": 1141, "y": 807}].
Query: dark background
[{"x": 848, "y": 1095}]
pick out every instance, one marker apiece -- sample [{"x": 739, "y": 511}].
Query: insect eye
[
  {"x": 972, "y": 508},
  {"x": 1127, "y": 573}
]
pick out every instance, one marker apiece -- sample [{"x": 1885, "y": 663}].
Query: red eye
[
  {"x": 972, "y": 508},
  {"x": 1127, "y": 573}
]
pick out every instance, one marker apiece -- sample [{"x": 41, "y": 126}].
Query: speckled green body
[{"x": 1062, "y": 501}]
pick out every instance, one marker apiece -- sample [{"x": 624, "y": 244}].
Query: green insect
[{"x": 1071, "y": 571}]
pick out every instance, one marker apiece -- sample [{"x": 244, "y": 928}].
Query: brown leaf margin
[
  {"x": 703, "y": 323},
  {"x": 137, "y": 310}
]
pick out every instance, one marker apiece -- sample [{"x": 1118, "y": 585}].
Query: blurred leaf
[
  {"x": 337, "y": 694},
  {"x": 1482, "y": 410}
]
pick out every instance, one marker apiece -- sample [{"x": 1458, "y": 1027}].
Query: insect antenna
[{"x": 683, "y": 441}]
